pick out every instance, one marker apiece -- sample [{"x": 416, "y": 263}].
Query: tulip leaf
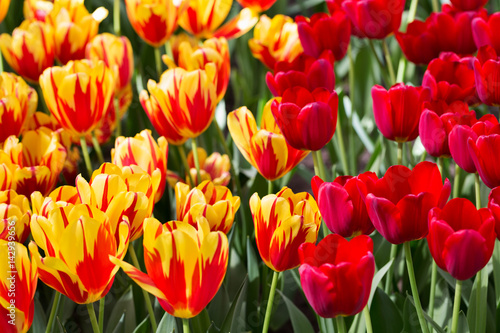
[
  {"x": 201, "y": 322},
  {"x": 443, "y": 304},
  {"x": 385, "y": 314},
  {"x": 123, "y": 310},
  {"x": 39, "y": 324},
  {"x": 496, "y": 271},
  {"x": 252, "y": 302},
  {"x": 300, "y": 323},
  {"x": 233, "y": 321},
  {"x": 466, "y": 285},
  {"x": 120, "y": 326},
  {"x": 377, "y": 278},
  {"x": 410, "y": 318},
  {"x": 167, "y": 324},
  {"x": 463, "y": 325},
  {"x": 435, "y": 326},
  {"x": 219, "y": 306},
  {"x": 143, "y": 327},
  {"x": 477, "y": 323}
]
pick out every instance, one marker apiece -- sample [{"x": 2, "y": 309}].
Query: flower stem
[
  {"x": 185, "y": 325},
  {"x": 414, "y": 289},
  {"x": 149, "y": 306},
  {"x": 413, "y": 11},
  {"x": 432, "y": 296},
  {"x": 102, "y": 302},
  {"x": 93, "y": 319},
  {"x": 1, "y": 63},
  {"x": 435, "y": 5},
  {"x": 182, "y": 153},
  {"x": 97, "y": 148},
  {"x": 400, "y": 153},
  {"x": 116, "y": 18},
  {"x": 388, "y": 60},
  {"x": 319, "y": 165},
  {"x": 118, "y": 130},
  {"x": 340, "y": 324},
  {"x": 368, "y": 319},
  {"x": 477, "y": 186},
  {"x": 456, "y": 182},
  {"x": 86, "y": 156},
  {"x": 159, "y": 69},
  {"x": 194, "y": 148},
  {"x": 456, "y": 306},
  {"x": 390, "y": 272},
  {"x": 269, "y": 187},
  {"x": 270, "y": 301},
  {"x": 343, "y": 155},
  {"x": 53, "y": 311}
]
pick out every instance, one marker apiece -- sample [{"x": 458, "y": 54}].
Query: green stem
[
  {"x": 118, "y": 130},
  {"x": 269, "y": 187},
  {"x": 435, "y": 6},
  {"x": 168, "y": 50},
  {"x": 102, "y": 302},
  {"x": 456, "y": 182},
  {"x": 388, "y": 60},
  {"x": 116, "y": 18},
  {"x": 270, "y": 301},
  {"x": 185, "y": 325},
  {"x": 400, "y": 153},
  {"x": 477, "y": 186},
  {"x": 350, "y": 129},
  {"x": 159, "y": 69},
  {"x": 456, "y": 306},
  {"x": 343, "y": 155},
  {"x": 440, "y": 163},
  {"x": 149, "y": 306},
  {"x": 41, "y": 99},
  {"x": 340, "y": 324},
  {"x": 432, "y": 296},
  {"x": 368, "y": 319},
  {"x": 319, "y": 165},
  {"x": 182, "y": 153},
  {"x": 414, "y": 289},
  {"x": 194, "y": 149},
  {"x": 86, "y": 156},
  {"x": 93, "y": 319},
  {"x": 390, "y": 272},
  {"x": 413, "y": 11},
  {"x": 97, "y": 148},
  {"x": 401, "y": 69},
  {"x": 53, "y": 311},
  {"x": 1, "y": 63},
  {"x": 372, "y": 47}
]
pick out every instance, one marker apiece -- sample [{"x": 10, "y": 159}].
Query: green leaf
[
  {"x": 410, "y": 318},
  {"x": 438, "y": 328},
  {"x": 443, "y": 304},
  {"x": 167, "y": 324},
  {"x": 123, "y": 310},
  {"x": 385, "y": 314},
  {"x": 143, "y": 327},
  {"x": 478, "y": 323},
  {"x": 300, "y": 323},
  {"x": 496, "y": 271},
  {"x": 120, "y": 326},
  {"x": 463, "y": 325},
  {"x": 377, "y": 278},
  {"x": 235, "y": 321},
  {"x": 219, "y": 306},
  {"x": 466, "y": 285},
  {"x": 201, "y": 322},
  {"x": 39, "y": 324}
]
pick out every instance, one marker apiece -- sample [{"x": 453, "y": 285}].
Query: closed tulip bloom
[
  {"x": 266, "y": 148},
  {"x": 78, "y": 94},
  {"x": 494, "y": 207},
  {"x": 283, "y": 222},
  {"x": 7, "y": 170},
  {"x": 336, "y": 275},
  {"x": 323, "y": 32},
  {"x": 461, "y": 238},
  {"x": 486, "y": 73},
  {"x": 30, "y": 49},
  {"x": 77, "y": 241},
  {"x": 18, "y": 102},
  {"x": 19, "y": 279},
  {"x": 37, "y": 9},
  {"x": 154, "y": 20},
  {"x": 186, "y": 265},
  {"x": 275, "y": 39},
  {"x": 484, "y": 152},
  {"x": 402, "y": 199},
  {"x": 469, "y": 4},
  {"x": 143, "y": 150},
  {"x": 307, "y": 119},
  {"x": 397, "y": 111},
  {"x": 215, "y": 203},
  {"x": 37, "y": 161},
  {"x": 15, "y": 212},
  {"x": 419, "y": 43},
  {"x": 342, "y": 205},
  {"x": 374, "y": 19},
  {"x": 182, "y": 105},
  {"x": 484, "y": 31},
  {"x": 257, "y": 5},
  {"x": 203, "y": 19},
  {"x": 214, "y": 168}
]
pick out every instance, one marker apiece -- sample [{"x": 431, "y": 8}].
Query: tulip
[
  {"x": 374, "y": 19},
  {"x": 484, "y": 31},
  {"x": 37, "y": 9},
  {"x": 336, "y": 275},
  {"x": 4, "y": 8},
  {"x": 257, "y": 5},
  {"x": 14, "y": 212},
  {"x": 7, "y": 170},
  {"x": 420, "y": 42},
  {"x": 461, "y": 238},
  {"x": 397, "y": 111},
  {"x": 78, "y": 94},
  {"x": 402, "y": 199},
  {"x": 185, "y": 264},
  {"x": 61, "y": 197},
  {"x": 306, "y": 119},
  {"x": 324, "y": 32},
  {"x": 36, "y": 161},
  {"x": 274, "y": 40},
  {"x": 484, "y": 153},
  {"x": 215, "y": 203},
  {"x": 203, "y": 19},
  {"x": 77, "y": 241},
  {"x": 494, "y": 207},
  {"x": 341, "y": 203},
  {"x": 265, "y": 149},
  {"x": 18, "y": 278},
  {"x": 74, "y": 27},
  {"x": 486, "y": 71},
  {"x": 30, "y": 49},
  {"x": 182, "y": 105},
  {"x": 117, "y": 54},
  {"x": 18, "y": 102},
  {"x": 282, "y": 223},
  {"x": 465, "y": 5},
  {"x": 154, "y": 20}
]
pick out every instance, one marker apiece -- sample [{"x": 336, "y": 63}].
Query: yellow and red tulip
[
  {"x": 61, "y": 197},
  {"x": 182, "y": 105},
  {"x": 7, "y": 170},
  {"x": 282, "y": 223},
  {"x": 77, "y": 241},
  {"x": 203, "y": 18},
  {"x": 30, "y": 49},
  {"x": 144, "y": 151},
  {"x": 275, "y": 39},
  {"x": 4, "y": 8},
  {"x": 37, "y": 9},
  {"x": 18, "y": 101},
  {"x": 18, "y": 280},
  {"x": 78, "y": 94},
  {"x": 74, "y": 27},
  {"x": 186, "y": 265},
  {"x": 155, "y": 20},
  {"x": 36, "y": 161},
  {"x": 15, "y": 214},
  {"x": 257, "y": 5},
  {"x": 215, "y": 203},
  {"x": 266, "y": 149}
]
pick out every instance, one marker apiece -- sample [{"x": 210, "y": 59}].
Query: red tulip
[
  {"x": 257, "y": 5},
  {"x": 337, "y": 274},
  {"x": 484, "y": 153},
  {"x": 487, "y": 75},
  {"x": 419, "y": 44},
  {"x": 461, "y": 238},
  {"x": 323, "y": 32},
  {"x": 485, "y": 31},
  {"x": 341, "y": 203},
  {"x": 374, "y": 19},
  {"x": 468, "y": 4},
  {"x": 397, "y": 111},
  {"x": 494, "y": 206},
  {"x": 307, "y": 119},
  {"x": 402, "y": 199}
]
